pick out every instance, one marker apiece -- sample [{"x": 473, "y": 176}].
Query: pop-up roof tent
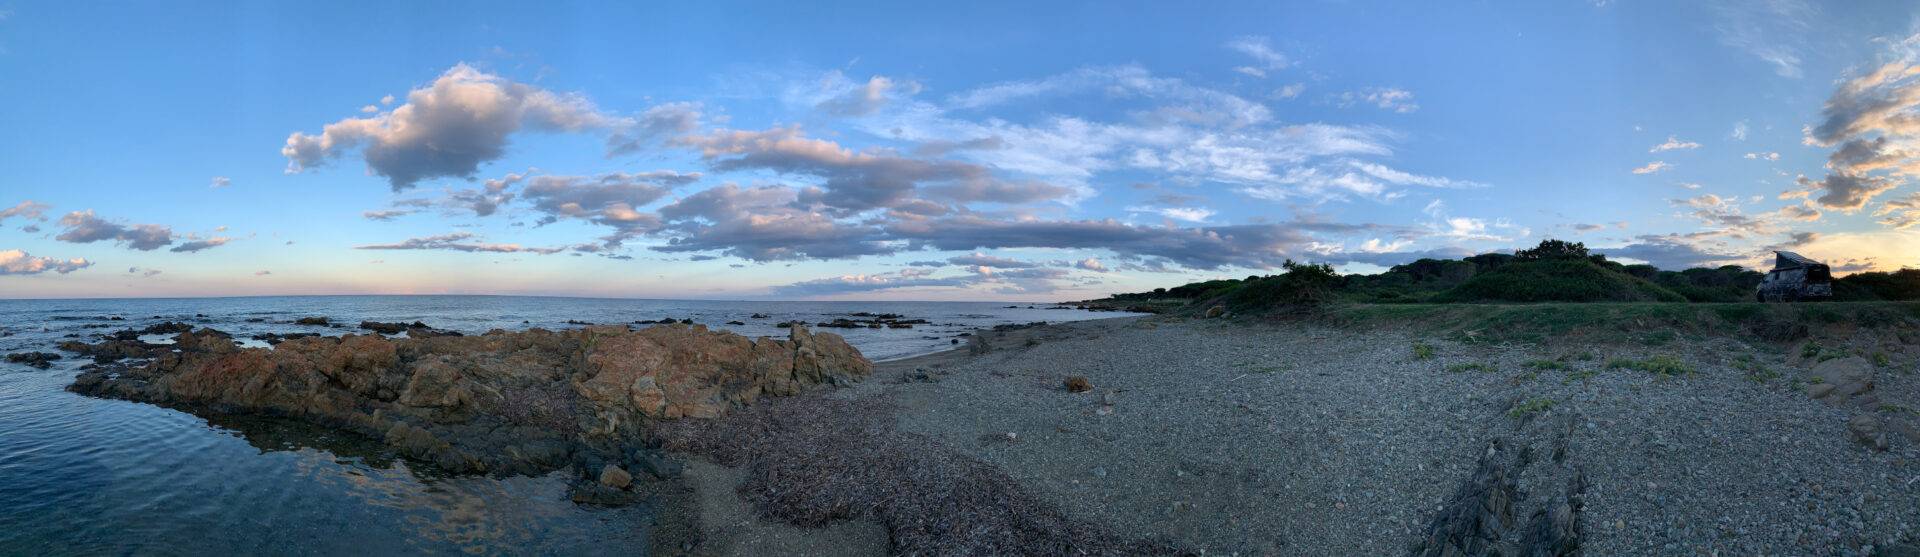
[{"x": 1791, "y": 260}]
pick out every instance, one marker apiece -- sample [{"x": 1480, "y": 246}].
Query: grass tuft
[
  {"x": 1662, "y": 365},
  {"x": 1422, "y": 351},
  {"x": 1530, "y": 407}
]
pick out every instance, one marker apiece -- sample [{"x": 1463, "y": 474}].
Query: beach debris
[{"x": 1078, "y": 384}]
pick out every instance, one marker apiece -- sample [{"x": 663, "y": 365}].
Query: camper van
[{"x": 1795, "y": 278}]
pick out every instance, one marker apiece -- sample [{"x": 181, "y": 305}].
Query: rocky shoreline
[
  {"x": 1161, "y": 435},
  {"x": 499, "y": 403}
]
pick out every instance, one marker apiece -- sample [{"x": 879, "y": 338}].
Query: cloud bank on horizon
[{"x": 1073, "y": 175}]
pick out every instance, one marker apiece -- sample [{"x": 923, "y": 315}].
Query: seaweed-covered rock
[{"x": 42, "y": 360}]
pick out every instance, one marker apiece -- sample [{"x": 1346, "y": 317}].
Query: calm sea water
[{"x": 86, "y": 476}]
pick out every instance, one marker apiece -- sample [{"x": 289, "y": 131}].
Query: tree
[{"x": 1553, "y": 249}]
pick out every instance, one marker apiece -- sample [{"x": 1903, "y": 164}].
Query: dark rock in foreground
[{"x": 525, "y": 402}]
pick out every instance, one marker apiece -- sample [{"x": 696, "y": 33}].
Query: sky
[{"x": 967, "y": 151}]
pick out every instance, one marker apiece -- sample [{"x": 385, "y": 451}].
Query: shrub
[{"x": 1422, "y": 351}]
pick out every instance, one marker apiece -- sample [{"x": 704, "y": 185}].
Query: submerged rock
[
  {"x": 42, "y": 360},
  {"x": 501, "y": 402}
]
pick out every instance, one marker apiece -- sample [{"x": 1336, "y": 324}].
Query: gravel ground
[{"x": 1273, "y": 439}]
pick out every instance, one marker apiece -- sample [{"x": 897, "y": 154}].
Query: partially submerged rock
[
  {"x": 42, "y": 360},
  {"x": 502, "y": 402}
]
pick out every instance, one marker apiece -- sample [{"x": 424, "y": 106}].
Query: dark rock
[
  {"x": 736, "y": 323},
  {"x": 391, "y": 328},
  {"x": 310, "y": 321},
  {"x": 1473, "y": 520},
  {"x": 42, "y": 360},
  {"x": 759, "y": 316}
]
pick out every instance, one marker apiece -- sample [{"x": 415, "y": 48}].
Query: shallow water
[{"x": 81, "y": 475}]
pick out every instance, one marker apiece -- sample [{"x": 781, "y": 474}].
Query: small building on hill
[{"x": 1795, "y": 278}]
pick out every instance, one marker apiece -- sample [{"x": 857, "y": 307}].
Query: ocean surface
[{"x": 88, "y": 476}]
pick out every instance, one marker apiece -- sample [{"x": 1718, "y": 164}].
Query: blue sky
[{"x": 971, "y": 151}]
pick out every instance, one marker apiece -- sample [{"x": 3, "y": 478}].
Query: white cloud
[
  {"x": 1387, "y": 98},
  {"x": 1739, "y": 132},
  {"x": 220, "y": 182},
  {"x": 17, "y": 262},
  {"x": 1770, "y": 156},
  {"x": 1673, "y": 143},
  {"x": 1652, "y": 167},
  {"x": 1264, "y": 56}
]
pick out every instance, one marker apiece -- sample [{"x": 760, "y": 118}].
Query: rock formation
[{"x": 502, "y": 402}]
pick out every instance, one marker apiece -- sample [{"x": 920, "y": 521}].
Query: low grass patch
[
  {"x": 1662, "y": 365},
  {"x": 1471, "y": 366},
  {"x": 1755, "y": 371},
  {"x": 1530, "y": 407},
  {"x": 1422, "y": 351},
  {"x": 1629, "y": 323}
]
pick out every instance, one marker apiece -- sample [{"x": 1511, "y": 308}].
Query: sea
[{"x": 86, "y": 476}]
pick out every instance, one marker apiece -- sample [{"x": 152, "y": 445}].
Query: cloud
[
  {"x": 1769, "y": 156},
  {"x": 26, "y": 210},
  {"x": 1670, "y": 254},
  {"x": 220, "y": 182},
  {"x": 1771, "y": 30},
  {"x": 148, "y": 273},
  {"x": 1901, "y": 213},
  {"x": 17, "y": 262},
  {"x": 869, "y": 97},
  {"x": 847, "y": 284},
  {"x": 1739, "y": 132},
  {"x": 201, "y": 244},
  {"x": 1265, "y": 58},
  {"x": 659, "y": 124},
  {"x": 611, "y": 199},
  {"x": 1652, "y": 167},
  {"x": 1188, "y": 214},
  {"x": 457, "y": 242},
  {"x": 1290, "y": 90},
  {"x": 1674, "y": 143},
  {"x": 978, "y": 259},
  {"x": 1090, "y": 264},
  {"x": 386, "y": 215},
  {"x": 1846, "y": 192},
  {"x": 262, "y": 273},
  {"x": 1259, "y": 246},
  {"x": 1387, "y": 98},
  {"x": 860, "y": 180},
  {"x": 85, "y": 228},
  {"x": 763, "y": 224},
  {"x": 446, "y": 129}
]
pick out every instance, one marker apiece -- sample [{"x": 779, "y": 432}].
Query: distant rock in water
[
  {"x": 42, "y": 360},
  {"x": 502, "y": 402}
]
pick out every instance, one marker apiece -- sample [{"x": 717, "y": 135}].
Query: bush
[{"x": 1302, "y": 287}]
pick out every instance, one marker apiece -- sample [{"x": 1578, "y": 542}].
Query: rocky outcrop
[
  {"x": 42, "y": 360},
  {"x": 505, "y": 402}
]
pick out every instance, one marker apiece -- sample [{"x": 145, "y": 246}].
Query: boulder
[
  {"x": 1848, "y": 376},
  {"x": 310, "y": 321},
  {"x": 1078, "y": 384},
  {"x": 615, "y": 477},
  {"x": 1866, "y": 429},
  {"x": 1216, "y": 312}
]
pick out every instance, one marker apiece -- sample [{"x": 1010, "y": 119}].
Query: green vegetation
[
  {"x": 1422, "y": 351},
  {"x": 1756, "y": 371},
  {"x": 1530, "y": 407},
  {"x": 1471, "y": 366},
  {"x": 1553, "y": 271},
  {"x": 1662, "y": 365}
]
